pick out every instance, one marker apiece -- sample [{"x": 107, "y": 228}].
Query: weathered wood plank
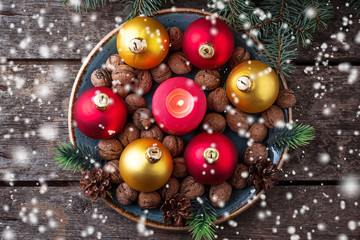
[
  {"x": 47, "y": 29},
  {"x": 63, "y": 212},
  {"x": 25, "y": 120}
]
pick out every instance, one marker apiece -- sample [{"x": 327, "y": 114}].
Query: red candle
[{"x": 178, "y": 105}]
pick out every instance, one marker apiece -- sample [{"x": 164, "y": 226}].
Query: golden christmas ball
[
  {"x": 145, "y": 165},
  {"x": 143, "y": 43},
  {"x": 252, "y": 86}
]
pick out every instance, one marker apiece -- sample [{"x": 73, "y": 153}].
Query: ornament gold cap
[
  {"x": 153, "y": 154},
  {"x": 244, "y": 83},
  {"x": 137, "y": 45},
  {"x": 101, "y": 101},
  {"x": 206, "y": 50},
  {"x": 211, "y": 155}
]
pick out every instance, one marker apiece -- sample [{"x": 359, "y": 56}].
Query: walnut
[
  {"x": 113, "y": 62},
  {"x": 175, "y": 36},
  {"x": 112, "y": 167},
  {"x": 123, "y": 74},
  {"x": 125, "y": 194},
  {"x": 254, "y": 153},
  {"x": 134, "y": 102},
  {"x": 142, "y": 83},
  {"x": 174, "y": 144},
  {"x": 142, "y": 118},
  {"x": 149, "y": 200},
  {"x": 191, "y": 189},
  {"x": 258, "y": 132},
  {"x": 286, "y": 98},
  {"x": 128, "y": 134},
  {"x": 179, "y": 168},
  {"x": 239, "y": 178},
  {"x": 273, "y": 116},
  {"x": 154, "y": 132},
  {"x": 179, "y": 64},
  {"x": 239, "y": 55},
  {"x": 122, "y": 90},
  {"x": 110, "y": 149},
  {"x": 208, "y": 79},
  {"x": 161, "y": 73},
  {"x": 237, "y": 120},
  {"x": 220, "y": 194},
  {"x": 101, "y": 78},
  {"x": 217, "y": 100},
  {"x": 213, "y": 122},
  {"x": 170, "y": 189}
]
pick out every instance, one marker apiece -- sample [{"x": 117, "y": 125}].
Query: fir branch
[
  {"x": 355, "y": 5},
  {"x": 76, "y": 158},
  {"x": 202, "y": 220},
  {"x": 86, "y": 3},
  {"x": 142, "y": 7},
  {"x": 290, "y": 137}
]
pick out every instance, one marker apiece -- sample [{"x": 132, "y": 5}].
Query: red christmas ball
[
  {"x": 100, "y": 113},
  {"x": 211, "y": 158},
  {"x": 208, "y": 43}
]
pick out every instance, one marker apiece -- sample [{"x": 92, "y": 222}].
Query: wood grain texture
[
  {"x": 49, "y": 30},
  {"x": 271, "y": 218}
]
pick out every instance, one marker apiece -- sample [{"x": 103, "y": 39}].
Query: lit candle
[{"x": 178, "y": 105}]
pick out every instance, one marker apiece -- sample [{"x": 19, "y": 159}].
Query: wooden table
[{"x": 42, "y": 44}]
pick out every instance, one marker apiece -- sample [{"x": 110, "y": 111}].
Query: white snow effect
[
  {"x": 350, "y": 187},
  {"x": 44, "y": 51},
  {"x": 76, "y": 18},
  {"x": 8, "y": 234},
  {"x": 357, "y": 38},
  {"x": 352, "y": 225},
  {"x": 43, "y": 90},
  {"x": 20, "y": 155},
  {"x": 324, "y": 158},
  {"x": 1, "y": 6},
  {"x": 118, "y": 20},
  {"x": 141, "y": 228},
  {"x": 321, "y": 226},
  {"x": 310, "y": 12},
  {"x": 24, "y": 44},
  {"x": 59, "y": 74},
  {"x": 291, "y": 230},
  {"x": 48, "y": 132}
]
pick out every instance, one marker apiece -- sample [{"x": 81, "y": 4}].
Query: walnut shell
[
  {"x": 179, "y": 168},
  {"x": 128, "y": 134},
  {"x": 239, "y": 178},
  {"x": 208, "y": 79},
  {"x": 239, "y": 55},
  {"x": 101, "y": 78},
  {"x": 125, "y": 194},
  {"x": 110, "y": 149},
  {"x": 273, "y": 116},
  {"x": 213, "y": 122},
  {"x": 122, "y": 90},
  {"x": 123, "y": 74},
  {"x": 113, "y": 62},
  {"x": 149, "y": 200},
  {"x": 154, "y": 132},
  {"x": 286, "y": 98},
  {"x": 142, "y": 118},
  {"x": 142, "y": 83},
  {"x": 217, "y": 100},
  {"x": 191, "y": 189},
  {"x": 258, "y": 132},
  {"x": 170, "y": 189},
  {"x": 112, "y": 167},
  {"x": 220, "y": 194},
  {"x": 237, "y": 120},
  {"x": 134, "y": 102},
  {"x": 254, "y": 153},
  {"x": 179, "y": 64},
  {"x": 161, "y": 73},
  {"x": 174, "y": 144},
  {"x": 175, "y": 37}
]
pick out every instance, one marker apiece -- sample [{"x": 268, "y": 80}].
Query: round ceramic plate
[{"x": 241, "y": 199}]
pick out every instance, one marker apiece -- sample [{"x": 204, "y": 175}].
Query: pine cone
[
  {"x": 95, "y": 183},
  {"x": 263, "y": 174},
  {"x": 177, "y": 210}
]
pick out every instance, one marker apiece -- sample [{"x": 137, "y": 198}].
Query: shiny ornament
[
  {"x": 208, "y": 43},
  {"x": 210, "y": 158},
  {"x": 145, "y": 165},
  {"x": 252, "y": 86},
  {"x": 143, "y": 43},
  {"x": 100, "y": 113}
]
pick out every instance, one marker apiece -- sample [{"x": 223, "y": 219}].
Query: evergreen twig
[
  {"x": 290, "y": 137},
  {"x": 355, "y": 4},
  {"x": 87, "y": 4},
  {"x": 142, "y": 7}
]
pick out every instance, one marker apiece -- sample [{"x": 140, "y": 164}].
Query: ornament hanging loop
[
  {"x": 244, "y": 83},
  {"x": 211, "y": 155},
  {"x": 153, "y": 154},
  {"x": 206, "y": 50},
  {"x": 101, "y": 101},
  {"x": 137, "y": 45}
]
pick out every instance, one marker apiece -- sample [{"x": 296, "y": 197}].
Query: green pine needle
[
  {"x": 355, "y": 4},
  {"x": 296, "y": 136},
  {"x": 76, "y": 158},
  {"x": 202, "y": 220},
  {"x": 142, "y": 7},
  {"x": 87, "y": 4}
]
